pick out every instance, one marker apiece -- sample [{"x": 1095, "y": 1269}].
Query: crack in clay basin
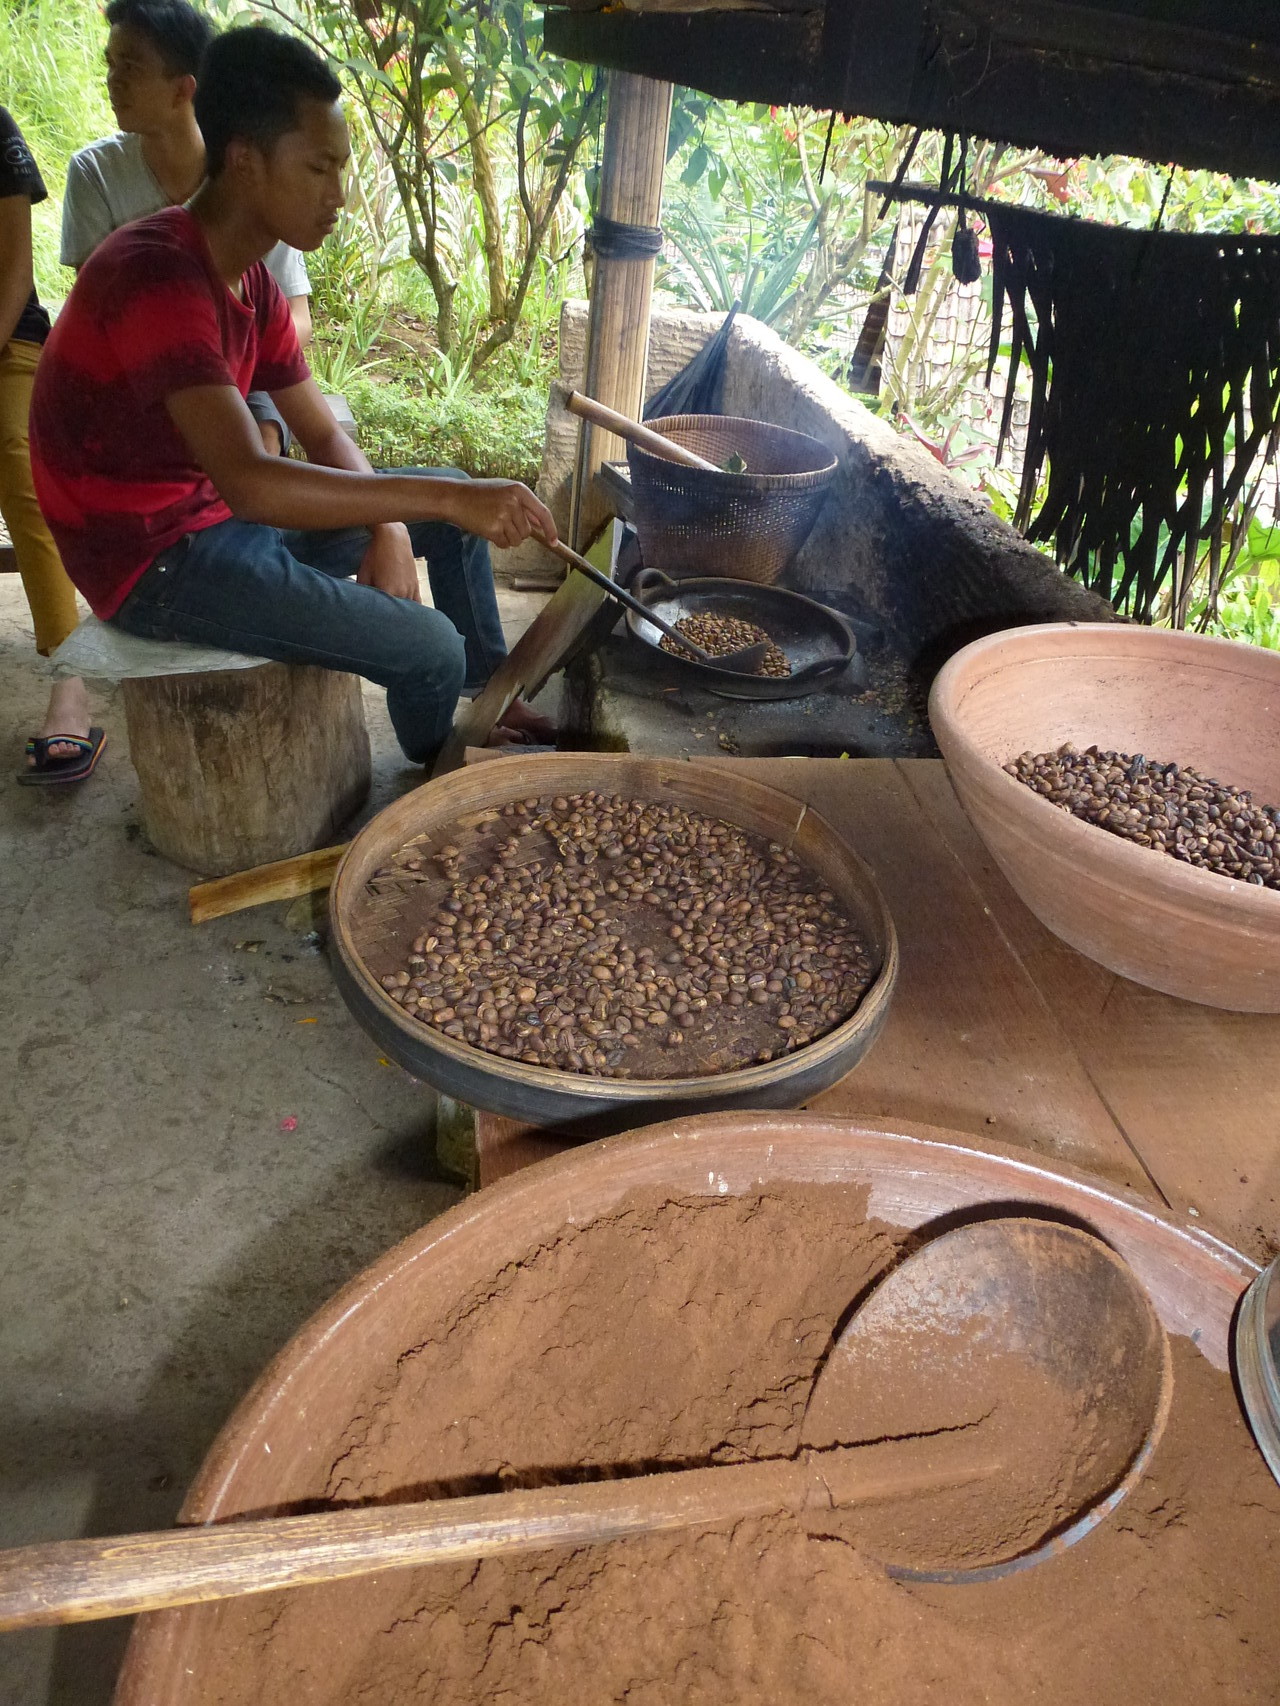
[{"x": 602, "y": 1310}]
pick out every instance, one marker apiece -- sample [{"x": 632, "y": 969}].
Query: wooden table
[{"x": 1005, "y": 1035}]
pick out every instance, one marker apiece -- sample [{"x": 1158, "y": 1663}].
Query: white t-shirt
[{"x": 109, "y": 184}]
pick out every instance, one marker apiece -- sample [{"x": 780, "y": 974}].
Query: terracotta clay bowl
[
  {"x": 372, "y": 933},
  {"x": 277, "y": 1450},
  {"x": 1212, "y": 704}
]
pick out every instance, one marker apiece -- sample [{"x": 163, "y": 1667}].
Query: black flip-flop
[{"x": 47, "y": 770}]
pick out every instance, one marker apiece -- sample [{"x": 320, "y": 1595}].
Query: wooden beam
[
  {"x": 732, "y": 55},
  {"x": 1174, "y": 85},
  {"x": 564, "y": 622},
  {"x": 1156, "y": 44}
]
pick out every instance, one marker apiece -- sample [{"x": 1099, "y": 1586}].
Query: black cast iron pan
[{"x": 819, "y": 643}]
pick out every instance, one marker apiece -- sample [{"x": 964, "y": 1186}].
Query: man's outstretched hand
[
  {"x": 388, "y": 563},
  {"x": 502, "y": 511}
]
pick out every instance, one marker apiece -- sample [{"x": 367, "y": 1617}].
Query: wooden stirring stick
[
  {"x": 76, "y": 1581},
  {"x": 656, "y": 443}
]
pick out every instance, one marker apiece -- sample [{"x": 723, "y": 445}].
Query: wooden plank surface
[
  {"x": 969, "y": 1044},
  {"x": 1196, "y": 1090},
  {"x": 539, "y": 652},
  {"x": 1003, "y": 1034}
]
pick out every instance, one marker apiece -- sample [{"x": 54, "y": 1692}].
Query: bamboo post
[{"x": 631, "y": 168}]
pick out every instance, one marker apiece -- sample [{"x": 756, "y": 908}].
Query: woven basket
[{"x": 745, "y": 526}]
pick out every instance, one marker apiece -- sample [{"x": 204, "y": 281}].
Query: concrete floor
[{"x": 199, "y": 1146}]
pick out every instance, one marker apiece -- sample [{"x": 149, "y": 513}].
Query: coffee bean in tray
[
  {"x": 623, "y": 939},
  {"x": 722, "y": 634},
  {"x": 1168, "y": 807}
]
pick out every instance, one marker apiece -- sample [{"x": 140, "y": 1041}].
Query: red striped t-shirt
[{"x": 148, "y": 315}]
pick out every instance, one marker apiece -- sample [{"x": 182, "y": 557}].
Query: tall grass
[{"x": 52, "y": 81}]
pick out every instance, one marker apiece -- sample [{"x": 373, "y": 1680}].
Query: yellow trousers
[{"x": 44, "y": 580}]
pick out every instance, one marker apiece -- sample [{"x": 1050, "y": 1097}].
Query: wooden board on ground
[
  {"x": 1003, "y": 1034},
  {"x": 285, "y": 879}
]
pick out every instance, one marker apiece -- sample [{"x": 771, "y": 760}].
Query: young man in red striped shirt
[{"x": 170, "y": 516}]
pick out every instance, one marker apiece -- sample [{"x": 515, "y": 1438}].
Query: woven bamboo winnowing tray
[{"x": 746, "y": 526}]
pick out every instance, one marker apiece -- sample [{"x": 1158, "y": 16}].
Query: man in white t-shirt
[{"x": 157, "y": 159}]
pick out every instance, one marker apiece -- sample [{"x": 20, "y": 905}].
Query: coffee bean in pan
[
  {"x": 721, "y": 634},
  {"x": 1168, "y": 807},
  {"x": 624, "y": 939}
]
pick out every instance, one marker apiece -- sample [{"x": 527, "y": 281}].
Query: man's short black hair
[
  {"x": 176, "y": 30},
  {"x": 250, "y": 83}
]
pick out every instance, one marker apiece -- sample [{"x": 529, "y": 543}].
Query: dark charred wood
[{"x": 1072, "y": 79}]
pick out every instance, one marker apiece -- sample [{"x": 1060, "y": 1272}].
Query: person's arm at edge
[
  {"x": 336, "y": 487},
  {"x": 15, "y": 262}
]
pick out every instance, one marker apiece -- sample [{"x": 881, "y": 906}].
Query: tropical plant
[
  {"x": 495, "y": 432},
  {"x": 1249, "y": 607},
  {"x": 461, "y": 107},
  {"x": 751, "y": 218},
  {"x": 51, "y": 79},
  {"x": 342, "y": 349}
]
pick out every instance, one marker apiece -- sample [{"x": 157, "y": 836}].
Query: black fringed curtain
[{"x": 1155, "y": 367}]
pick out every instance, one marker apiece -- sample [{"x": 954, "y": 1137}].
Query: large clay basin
[
  {"x": 1212, "y": 704},
  {"x": 278, "y": 1447}
]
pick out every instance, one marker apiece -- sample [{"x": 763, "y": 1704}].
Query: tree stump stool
[{"x": 240, "y": 767}]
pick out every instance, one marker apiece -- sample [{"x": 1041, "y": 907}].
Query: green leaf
[
  {"x": 368, "y": 72},
  {"x": 1264, "y": 541},
  {"x": 698, "y": 162}
]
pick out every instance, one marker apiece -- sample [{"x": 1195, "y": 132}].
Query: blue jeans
[{"x": 287, "y": 595}]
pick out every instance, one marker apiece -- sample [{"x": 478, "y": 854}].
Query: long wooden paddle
[
  {"x": 76, "y": 1581},
  {"x": 656, "y": 443},
  {"x": 919, "y": 1372}
]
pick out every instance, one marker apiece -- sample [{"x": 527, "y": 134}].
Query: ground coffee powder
[{"x": 666, "y": 1332}]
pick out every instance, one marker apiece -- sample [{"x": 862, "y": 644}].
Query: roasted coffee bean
[
  {"x": 1167, "y": 807},
  {"x": 721, "y": 634},
  {"x": 612, "y": 949}
]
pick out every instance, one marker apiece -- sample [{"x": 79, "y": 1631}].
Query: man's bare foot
[
  {"x": 506, "y": 738},
  {"x": 68, "y": 714},
  {"x": 523, "y": 719}
]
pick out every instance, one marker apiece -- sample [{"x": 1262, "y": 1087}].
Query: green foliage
[
  {"x": 1249, "y": 608},
  {"x": 1122, "y": 191},
  {"x": 1247, "y": 602},
  {"x": 51, "y": 80},
  {"x": 492, "y": 433},
  {"x": 476, "y": 129},
  {"x": 748, "y": 219},
  {"x": 342, "y": 350}
]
